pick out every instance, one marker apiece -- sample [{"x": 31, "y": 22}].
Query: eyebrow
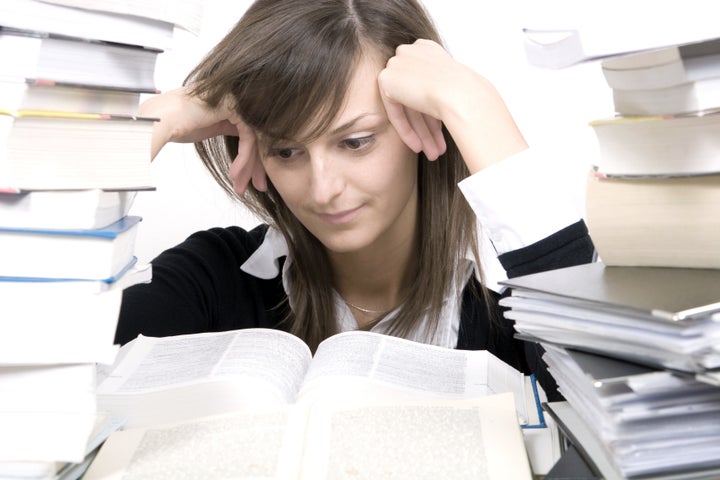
[{"x": 349, "y": 124}]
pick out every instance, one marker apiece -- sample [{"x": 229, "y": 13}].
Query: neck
[{"x": 376, "y": 279}]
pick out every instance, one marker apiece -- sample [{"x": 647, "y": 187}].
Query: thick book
[
  {"x": 77, "y": 318},
  {"x": 655, "y": 316},
  {"x": 660, "y": 145},
  {"x": 561, "y": 33},
  {"x": 78, "y": 151},
  {"x": 64, "y": 209},
  {"x": 42, "y": 56},
  {"x": 43, "y": 16},
  {"x": 700, "y": 95},
  {"x": 664, "y": 67},
  {"x": 677, "y": 79},
  {"x": 29, "y": 94},
  {"x": 97, "y": 254},
  {"x": 657, "y": 222},
  {"x": 174, "y": 379}
]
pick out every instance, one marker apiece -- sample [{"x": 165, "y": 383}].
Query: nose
[{"x": 326, "y": 178}]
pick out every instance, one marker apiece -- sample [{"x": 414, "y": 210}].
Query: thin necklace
[{"x": 364, "y": 310}]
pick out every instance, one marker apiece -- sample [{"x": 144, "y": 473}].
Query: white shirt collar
[{"x": 265, "y": 261}]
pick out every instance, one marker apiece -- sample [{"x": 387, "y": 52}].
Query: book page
[
  {"x": 455, "y": 438},
  {"x": 263, "y": 444},
  {"x": 170, "y": 379},
  {"x": 369, "y": 365}
]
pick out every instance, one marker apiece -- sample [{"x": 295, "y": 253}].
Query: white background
[{"x": 552, "y": 108}]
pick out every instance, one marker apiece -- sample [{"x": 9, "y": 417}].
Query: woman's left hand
[
  {"x": 423, "y": 87},
  {"x": 416, "y": 121}
]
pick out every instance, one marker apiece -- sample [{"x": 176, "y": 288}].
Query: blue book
[{"x": 93, "y": 254}]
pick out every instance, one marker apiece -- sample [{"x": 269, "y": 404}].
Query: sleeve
[
  {"x": 198, "y": 286},
  {"x": 520, "y": 201},
  {"x": 533, "y": 224}
]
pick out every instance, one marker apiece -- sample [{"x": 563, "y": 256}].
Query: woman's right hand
[{"x": 184, "y": 118}]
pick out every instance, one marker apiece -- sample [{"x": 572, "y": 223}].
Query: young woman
[{"x": 388, "y": 176}]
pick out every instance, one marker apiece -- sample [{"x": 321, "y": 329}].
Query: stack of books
[
  {"x": 656, "y": 187},
  {"x": 632, "y": 340},
  {"x": 73, "y": 153},
  {"x": 648, "y": 380}
]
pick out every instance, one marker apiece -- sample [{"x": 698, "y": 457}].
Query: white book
[
  {"x": 561, "y": 33},
  {"x": 699, "y": 95},
  {"x": 41, "y": 56},
  {"x": 95, "y": 254},
  {"x": 160, "y": 381},
  {"x": 18, "y": 93},
  {"x": 658, "y": 145},
  {"x": 664, "y": 67},
  {"x": 77, "y": 319},
  {"x": 440, "y": 439},
  {"x": 64, "y": 209},
  {"x": 42, "y": 16},
  {"x": 79, "y": 151},
  {"x": 186, "y": 14}
]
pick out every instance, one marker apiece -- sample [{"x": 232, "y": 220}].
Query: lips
[{"x": 341, "y": 217}]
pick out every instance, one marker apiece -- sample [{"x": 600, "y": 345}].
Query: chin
[{"x": 345, "y": 243}]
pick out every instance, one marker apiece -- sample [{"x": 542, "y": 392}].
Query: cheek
[
  {"x": 286, "y": 182},
  {"x": 398, "y": 170}
]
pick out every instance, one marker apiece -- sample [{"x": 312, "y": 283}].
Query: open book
[{"x": 241, "y": 376}]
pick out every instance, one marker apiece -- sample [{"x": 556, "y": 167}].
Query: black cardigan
[{"x": 198, "y": 286}]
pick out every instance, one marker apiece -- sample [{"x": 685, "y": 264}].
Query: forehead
[
  {"x": 363, "y": 94},
  {"x": 361, "y": 99}
]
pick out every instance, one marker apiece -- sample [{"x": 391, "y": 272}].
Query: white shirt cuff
[{"x": 520, "y": 201}]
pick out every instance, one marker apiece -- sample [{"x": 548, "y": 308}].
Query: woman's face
[{"x": 355, "y": 186}]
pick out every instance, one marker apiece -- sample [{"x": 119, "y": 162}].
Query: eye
[
  {"x": 357, "y": 143},
  {"x": 285, "y": 153}
]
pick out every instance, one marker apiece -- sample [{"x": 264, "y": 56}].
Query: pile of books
[
  {"x": 633, "y": 340},
  {"x": 656, "y": 188},
  {"x": 73, "y": 153}
]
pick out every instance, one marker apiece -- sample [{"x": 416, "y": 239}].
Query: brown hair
[{"x": 289, "y": 61}]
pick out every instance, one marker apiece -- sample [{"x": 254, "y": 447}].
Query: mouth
[{"x": 342, "y": 217}]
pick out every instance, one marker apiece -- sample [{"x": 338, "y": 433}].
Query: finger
[
  {"x": 436, "y": 128},
  {"x": 419, "y": 124},
  {"x": 398, "y": 118},
  {"x": 259, "y": 178},
  {"x": 240, "y": 173},
  {"x": 241, "y": 169}
]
